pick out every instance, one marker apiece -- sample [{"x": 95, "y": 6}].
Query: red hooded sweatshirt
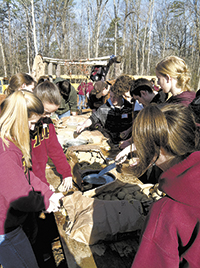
[
  {"x": 17, "y": 197},
  {"x": 172, "y": 238},
  {"x": 44, "y": 144}
]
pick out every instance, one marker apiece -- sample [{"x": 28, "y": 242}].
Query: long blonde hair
[
  {"x": 177, "y": 69},
  {"x": 16, "y": 110}
]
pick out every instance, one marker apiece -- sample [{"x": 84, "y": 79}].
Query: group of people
[
  {"x": 28, "y": 138},
  {"x": 161, "y": 128},
  {"x": 165, "y": 134}
]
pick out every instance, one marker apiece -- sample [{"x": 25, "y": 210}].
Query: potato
[
  {"x": 121, "y": 195},
  {"x": 139, "y": 196},
  {"x": 133, "y": 188},
  {"x": 107, "y": 197},
  {"x": 100, "y": 196},
  {"x": 125, "y": 190},
  {"x": 128, "y": 197},
  {"x": 114, "y": 198}
]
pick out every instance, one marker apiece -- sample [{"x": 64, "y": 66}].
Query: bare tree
[
  {"x": 3, "y": 56},
  {"x": 151, "y": 5},
  {"x": 34, "y": 30}
]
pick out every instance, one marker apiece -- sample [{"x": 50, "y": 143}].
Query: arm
[
  {"x": 86, "y": 124},
  {"x": 125, "y": 133},
  {"x": 55, "y": 152},
  {"x": 124, "y": 153},
  {"x": 73, "y": 100},
  {"x": 15, "y": 186}
]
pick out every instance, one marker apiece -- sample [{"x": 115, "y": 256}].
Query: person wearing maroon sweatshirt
[
  {"x": 44, "y": 141},
  {"x": 174, "y": 77},
  {"x": 171, "y": 236},
  {"x": 44, "y": 144},
  {"x": 21, "y": 192}
]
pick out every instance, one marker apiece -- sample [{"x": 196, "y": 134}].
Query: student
[
  {"x": 112, "y": 118},
  {"x": 44, "y": 144},
  {"x": 98, "y": 95},
  {"x": 168, "y": 138},
  {"x": 84, "y": 90},
  {"x": 143, "y": 91},
  {"x": 21, "y": 192},
  {"x": 20, "y": 81},
  {"x": 44, "y": 141},
  {"x": 68, "y": 105},
  {"x": 173, "y": 77}
]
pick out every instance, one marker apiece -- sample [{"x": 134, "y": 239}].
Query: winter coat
[
  {"x": 172, "y": 238},
  {"x": 44, "y": 144},
  {"x": 19, "y": 191}
]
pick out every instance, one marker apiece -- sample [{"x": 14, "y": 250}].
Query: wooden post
[
  {"x": 58, "y": 70},
  {"x": 50, "y": 68}
]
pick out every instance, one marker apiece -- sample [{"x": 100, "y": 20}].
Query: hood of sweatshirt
[{"x": 182, "y": 181}]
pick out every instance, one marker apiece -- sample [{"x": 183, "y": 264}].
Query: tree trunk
[
  {"x": 144, "y": 41},
  {"x": 149, "y": 46},
  {"x": 3, "y": 57},
  {"x": 34, "y": 30},
  {"x": 88, "y": 24}
]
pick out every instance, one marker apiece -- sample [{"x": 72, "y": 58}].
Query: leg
[
  {"x": 64, "y": 115},
  {"x": 16, "y": 250}
]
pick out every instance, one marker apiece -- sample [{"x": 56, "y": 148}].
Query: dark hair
[
  {"x": 65, "y": 88},
  {"x": 48, "y": 92},
  {"x": 141, "y": 84},
  {"x": 122, "y": 84},
  {"x": 42, "y": 79}
]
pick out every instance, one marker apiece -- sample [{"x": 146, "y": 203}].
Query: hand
[
  {"x": 125, "y": 133},
  {"x": 121, "y": 157},
  {"x": 51, "y": 188},
  {"x": 65, "y": 185},
  {"x": 52, "y": 207},
  {"x": 80, "y": 128},
  {"x": 54, "y": 202}
]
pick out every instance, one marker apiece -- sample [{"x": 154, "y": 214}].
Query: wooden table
[{"x": 118, "y": 253}]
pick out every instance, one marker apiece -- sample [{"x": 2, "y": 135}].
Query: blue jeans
[
  {"x": 16, "y": 250},
  {"x": 64, "y": 115},
  {"x": 81, "y": 102}
]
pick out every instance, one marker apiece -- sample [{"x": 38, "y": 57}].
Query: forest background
[{"x": 141, "y": 31}]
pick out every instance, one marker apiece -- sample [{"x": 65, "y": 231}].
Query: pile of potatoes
[{"x": 146, "y": 194}]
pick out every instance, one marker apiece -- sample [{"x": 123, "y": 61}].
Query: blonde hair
[
  {"x": 171, "y": 127},
  {"x": 16, "y": 110},
  {"x": 177, "y": 69}
]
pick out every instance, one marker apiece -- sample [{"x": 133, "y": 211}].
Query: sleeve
[
  {"x": 15, "y": 186},
  {"x": 73, "y": 100},
  {"x": 159, "y": 244},
  {"x": 100, "y": 115},
  {"x": 55, "y": 152}
]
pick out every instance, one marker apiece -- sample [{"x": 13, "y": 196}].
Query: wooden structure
[{"x": 79, "y": 66}]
